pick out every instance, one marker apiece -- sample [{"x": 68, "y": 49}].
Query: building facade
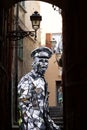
[
  {"x": 22, "y": 47},
  {"x": 54, "y": 72},
  {"x": 26, "y": 45}
]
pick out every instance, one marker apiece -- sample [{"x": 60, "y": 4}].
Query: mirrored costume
[{"x": 33, "y": 94}]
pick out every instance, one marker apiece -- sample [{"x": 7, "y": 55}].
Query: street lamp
[
  {"x": 20, "y": 34},
  {"x": 35, "y": 19},
  {"x": 54, "y": 43}
]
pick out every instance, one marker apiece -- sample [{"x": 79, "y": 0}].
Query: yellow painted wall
[
  {"x": 24, "y": 66},
  {"x": 51, "y": 76}
]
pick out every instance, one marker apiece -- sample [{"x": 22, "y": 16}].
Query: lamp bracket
[{"x": 17, "y": 35}]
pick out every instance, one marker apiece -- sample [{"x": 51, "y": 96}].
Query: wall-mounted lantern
[{"x": 20, "y": 34}]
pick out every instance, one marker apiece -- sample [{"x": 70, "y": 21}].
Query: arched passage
[
  {"x": 9, "y": 3},
  {"x": 75, "y": 64},
  {"x": 6, "y": 60}
]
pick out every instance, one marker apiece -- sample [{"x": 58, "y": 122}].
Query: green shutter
[{"x": 20, "y": 49}]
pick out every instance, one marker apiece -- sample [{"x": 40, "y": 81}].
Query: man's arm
[{"x": 24, "y": 99}]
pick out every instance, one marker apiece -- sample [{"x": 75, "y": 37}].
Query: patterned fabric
[{"x": 33, "y": 103}]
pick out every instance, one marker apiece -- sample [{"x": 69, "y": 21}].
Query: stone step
[{"x": 56, "y": 113}]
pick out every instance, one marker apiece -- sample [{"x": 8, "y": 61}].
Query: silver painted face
[{"x": 40, "y": 65}]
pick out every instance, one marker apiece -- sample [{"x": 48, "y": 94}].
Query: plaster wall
[{"x": 51, "y": 77}]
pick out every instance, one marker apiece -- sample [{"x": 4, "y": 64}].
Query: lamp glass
[{"x": 35, "y": 24}]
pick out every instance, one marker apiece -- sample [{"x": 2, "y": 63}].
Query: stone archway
[
  {"x": 7, "y": 4},
  {"x": 75, "y": 64},
  {"x": 6, "y": 113}
]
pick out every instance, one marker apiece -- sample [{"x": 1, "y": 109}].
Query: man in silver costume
[{"x": 33, "y": 94}]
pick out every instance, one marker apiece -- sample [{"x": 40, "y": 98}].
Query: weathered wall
[{"x": 52, "y": 76}]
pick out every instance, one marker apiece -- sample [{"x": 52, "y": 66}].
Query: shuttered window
[{"x": 20, "y": 49}]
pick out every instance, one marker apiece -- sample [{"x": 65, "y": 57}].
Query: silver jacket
[{"x": 33, "y": 103}]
